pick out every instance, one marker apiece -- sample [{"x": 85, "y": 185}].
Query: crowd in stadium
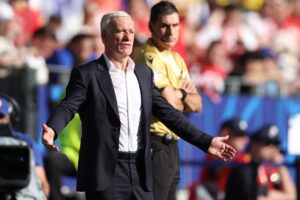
[{"x": 253, "y": 40}]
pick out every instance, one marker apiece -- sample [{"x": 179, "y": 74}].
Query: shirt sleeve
[{"x": 160, "y": 74}]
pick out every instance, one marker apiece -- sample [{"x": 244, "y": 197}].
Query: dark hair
[
  {"x": 267, "y": 134},
  {"x": 76, "y": 39},
  {"x": 161, "y": 8},
  {"x": 55, "y": 18},
  {"x": 16, "y": 111},
  {"x": 44, "y": 33}
]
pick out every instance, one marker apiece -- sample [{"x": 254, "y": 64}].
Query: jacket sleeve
[
  {"x": 75, "y": 96},
  {"x": 178, "y": 123}
]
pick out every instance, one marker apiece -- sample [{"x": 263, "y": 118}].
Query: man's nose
[
  {"x": 126, "y": 36},
  {"x": 170, "y": 30}
]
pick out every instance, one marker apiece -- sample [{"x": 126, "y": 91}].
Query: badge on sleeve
[
  {"x": 150, "y": 59},
  {"x": 156, "y": 76}
]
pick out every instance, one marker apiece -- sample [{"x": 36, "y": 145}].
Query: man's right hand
[
  {"x": 173, "y": 97},
  {"x": 48, "y": 138}
]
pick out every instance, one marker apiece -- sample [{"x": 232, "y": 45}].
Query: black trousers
[
  {"x": 127, "y": 183},
  {"x": 165, "y": 162},
  {"x": 56, "y": 166}
]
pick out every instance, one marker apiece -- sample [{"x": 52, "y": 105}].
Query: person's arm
[
  {"x": 288, "y": 188},
  {"x": 187, "y": 98},
  {"x": 173, "y": 97},
  {"x": 65, "y": 111},
  {"x": 42, "y": 175},
  {"x": 181, "y": 126},
  {"x": 39, "y": 167},
  {"x": 192, "y": 101},
  {"x": 184, "y": 98}
]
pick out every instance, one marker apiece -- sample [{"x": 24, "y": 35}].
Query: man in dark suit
[{"x": 115, "y": 99}]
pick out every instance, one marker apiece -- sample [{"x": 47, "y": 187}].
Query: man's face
[
  {"x": 119, "y": 37},
  {"x": 238, "y": 142},
  {"x": 4, "y": 119},
  {"x": 165, "y": 31},
  {"x": 264, "y": 152}
]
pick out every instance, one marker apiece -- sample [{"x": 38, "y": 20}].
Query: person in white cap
[
  {"x": 264, "y": 176},
  {"x": 10, "y": 55}
]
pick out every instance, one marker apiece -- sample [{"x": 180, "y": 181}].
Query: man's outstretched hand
[
  {"x": 48, "y": 138},
  {"x": 220, "y": 149}
]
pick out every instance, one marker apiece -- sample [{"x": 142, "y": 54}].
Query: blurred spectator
[
  {"x": 274, "y": 28},
  {"x": 91, "y": 17},
  {"x": 276, "y": 12},
  {"x": 253, "y": 73},
  {"x": 140, "y": 13},
  {"x": 260, "y": 74},
  {"x": 82, "y": 48},
  {"x": 38, "y": 187},
  {"x": 78, "y": 50},
  {"x": 264, "y": 176},
  {"x": 274, "y": 84},
  {"x": 214, "y": 71},
  {"x": 8, "y": 30},
  {"x": 227, "y": 25},
  {"x": 42, "y": 46},
  {"x": 53, "y": 24},
  {"x": 43, "y": 43},
  {"x": 105, "y": 6},
  {"x": 213, "y": 177},
  {"x": 91, "y": 26},
  {"x": 283, "y": 19},
  {"x": 71, "y": 14},
  {"x": 294, "y": 87},
  {"x": 29, "y": 19},
  {"x": 254, "y": 5},
  {"x": 286, "y": 47}
]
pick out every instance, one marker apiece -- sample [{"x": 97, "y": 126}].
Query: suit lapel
[
  {"x": 105, "y": 83},
  {"x": 143, "y": 87}
]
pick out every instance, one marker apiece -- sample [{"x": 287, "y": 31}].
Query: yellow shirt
[{"x": 169, "y": 69}]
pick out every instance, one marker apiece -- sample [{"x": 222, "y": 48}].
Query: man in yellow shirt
[{"x": 172, "y": 78}]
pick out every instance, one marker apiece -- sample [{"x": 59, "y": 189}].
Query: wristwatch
[{"x": 183, "y": 93}]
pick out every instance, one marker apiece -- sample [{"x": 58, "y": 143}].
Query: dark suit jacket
[{"x": 90, "y": 93}]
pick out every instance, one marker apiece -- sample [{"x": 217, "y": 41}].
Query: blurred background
[{"x": 243, "y": 55}]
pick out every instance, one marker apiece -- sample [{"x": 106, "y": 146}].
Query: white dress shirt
[{"x": 128, "y": 96}]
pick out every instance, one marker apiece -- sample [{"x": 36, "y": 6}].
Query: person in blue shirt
[{"x": 6, "y": 110}]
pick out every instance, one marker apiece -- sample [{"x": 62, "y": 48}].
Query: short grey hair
[{"x": 107, "y": 18}]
